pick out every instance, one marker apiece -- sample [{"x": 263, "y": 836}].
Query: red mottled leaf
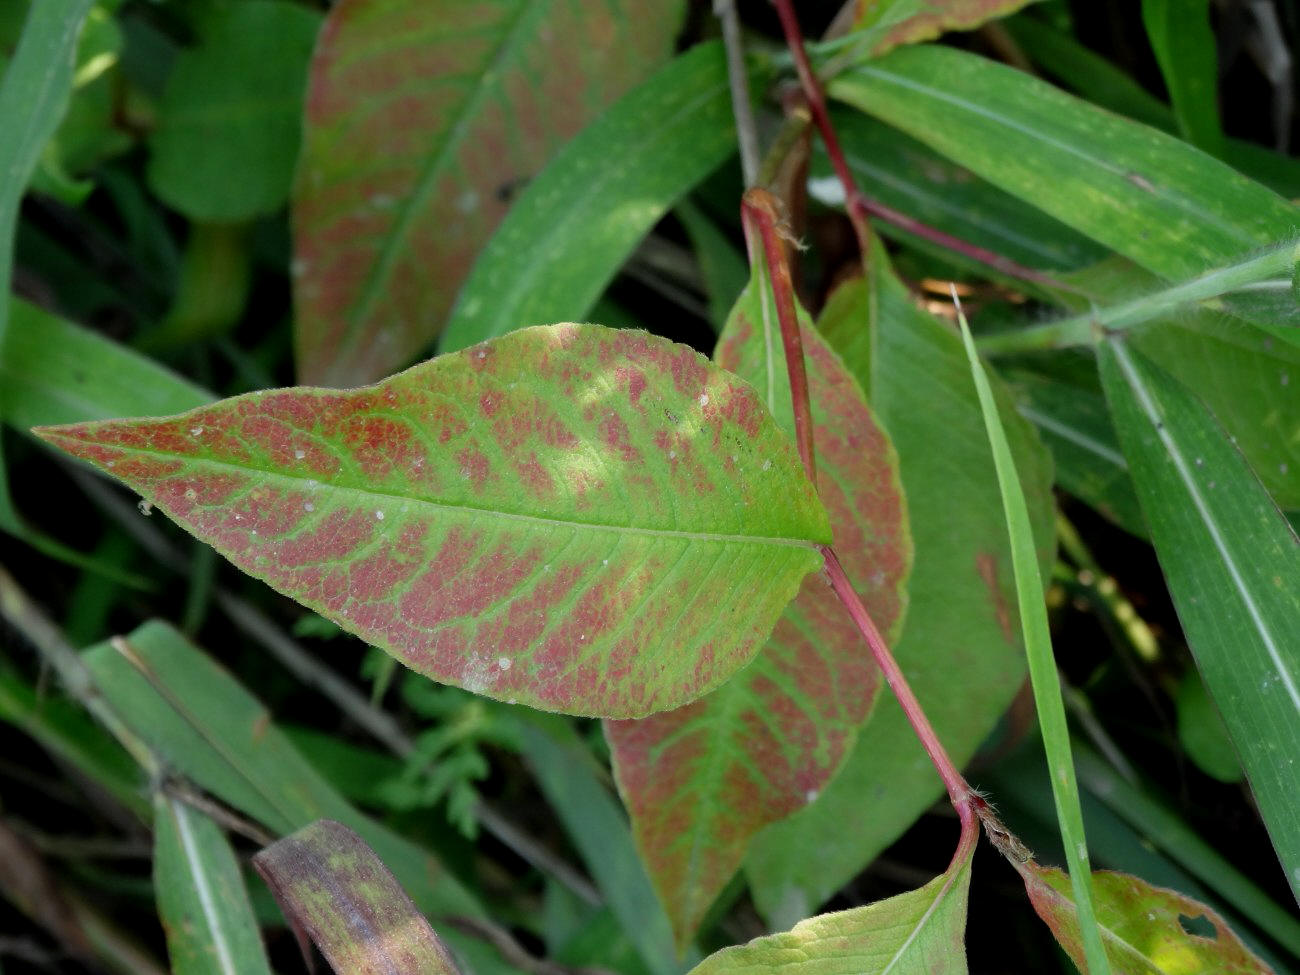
[
  {"x": 1146, "y": 930},
  {"x": 333, "y": 887},
  {"x": 581, "y": 519},
  {"x": 423, "y": 119},
  {"x": 933, "y": 18},
  {"x": 700, "y": 781}
]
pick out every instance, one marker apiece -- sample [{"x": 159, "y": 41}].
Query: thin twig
[
  {"x": 741, "y": 107},
  {"x": 859, "y": 206},
  {"x": 378, "y": 724}
]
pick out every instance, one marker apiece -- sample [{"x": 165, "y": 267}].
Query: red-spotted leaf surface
[
  {"x": 1146, "y": 930},
  {"x": 581, "y": 519},
  {"x": 423, "y": 119},
  {"x": 930, "y": 19},
  {"x": 921, "y": 932},
  {"x": 337, "y": 891},
  {"x": 700, "y": 781}
]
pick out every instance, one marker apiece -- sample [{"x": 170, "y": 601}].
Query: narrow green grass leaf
[
  {"x": 577, "y": 222},
  {"x": 1185, "y": 49},
  {"x": 209, "y": 728},
  {"x": 1201, "y": 731},
  {"x": 921, "y": 932},
  {"x": 233, "y": 105},
  {"x": 576, "y": 518},
  {"x": 1042, "y": 665},
  {"x": 33, "y": 97},
  {"x": 424, "y": 119},
  {"x": 700, "y": 781},
  {"x": 570, "y": 779},
  {"x": 1233, "y": 567},
  {"x": 334, "y": 887},
  {"x": 201, "y": 897},
  {"x": 722, "y": 265},
  {"x": 1145, "y": 929},
  {"x": 1145, "y": 194},
  {"x": 961, "y": 603}
]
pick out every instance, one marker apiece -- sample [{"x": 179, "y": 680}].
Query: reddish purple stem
[{"x": 860, "y": 206}]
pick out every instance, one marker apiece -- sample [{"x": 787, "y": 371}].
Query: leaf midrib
[{"x": 493, "y": 512}]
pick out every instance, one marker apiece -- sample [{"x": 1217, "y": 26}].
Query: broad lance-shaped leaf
[
  {"x": 201, "y": 896},
  {"x": 424, "y": 118},
  {"x": 961, "y": 616},
  {"x": 334, "y": 887},
  {"x": 700, "y": 781},
  {"x": 921, "y": 932},
  {"x": 572, "y": 517},
  {"x": 1233, "y": 567},
  {"x": 1146, "y": 930}
]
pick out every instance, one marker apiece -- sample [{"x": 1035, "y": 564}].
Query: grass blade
[
  {"x": 1042, "y": 667},
  {"x": 1233, "y": 567}
]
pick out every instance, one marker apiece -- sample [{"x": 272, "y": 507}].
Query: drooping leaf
[
  {"x": 229, "y": 123},
  {"x": 1092, "y": 170},
  {"x": 701, "y": 780},
  {"x": 932, "y": 19},
  {"x": 961, "y": 609},
  {"x": 577, "y": 222},
  {"x": 921, "y": 932},
  {"x": 423, "y": 120},
  {"x": 1232, "y": 563},
  {"x": 576, "y": 518},
  {"x": 334, "y": 887},
  {"x": 1201, "y": 731},
  {"x": 1185, "y": 48},
  {"x": 201, "y": 897},
  {"x": 1146, "y": 930},
  {"x": 909, "y": 176}
]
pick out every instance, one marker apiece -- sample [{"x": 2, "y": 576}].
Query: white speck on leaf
[
  {"x": 379, "y": 516},
  {"x": 1285, "y": 379},
  {"x": 704, "y": 399},
  {"x": 299, "y": 454},
  {"x": 195, "y": 431},
  {"x": 308, "y": 507},
  {"x": 767, "y": 465},
  {"x": 146, "y": 507},
  {"x": 503, "y": 663},
  {"x": 672, "y": 455},
  {"x": 810, "y": 795}
]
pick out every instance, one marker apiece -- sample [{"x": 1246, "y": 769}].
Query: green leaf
[
  {"x": 1145, "y": 194},
  {"x": 577, "y": 222},
  {"x": 423, "y": 120},
  {"x": 1250, "y": 381},
  {"x": 1232, "y": 563},
  {"x": 1184, "y": 44},
  {"x": 334, "y": 887},
  {"x": 961, "y": 609},
  {"x": 1043, "y": 676},
  {"x": 33, "y": 98},
  {"x": 935, "y": 17},
  {"x": 229, "y": 123},
  {"x": 701, "y": 780},
  {"x": 911, "y": 177},
  {"x": 1070, "y": 413},
  {"x": 572, "y": 517},
  {"x": 52, "y": 371},
  {"x": 1145, "y": 928},
  {"x": 1201, "y": 731},
  {"x": 921, "y": 932},
  {"x": 210, "y": 729},
  {"x": 201, "y": 897}
]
